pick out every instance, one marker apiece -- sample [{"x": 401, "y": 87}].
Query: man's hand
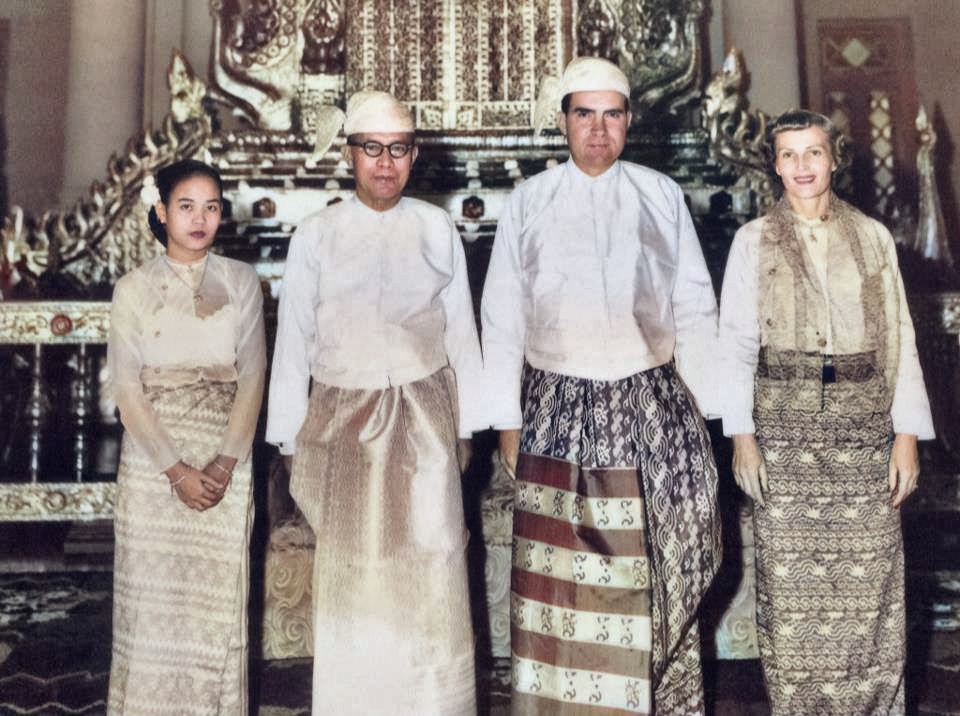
[
  {"x": 510, "y": 450},
  {"x": 904, "y": 468},
  {"x": 464, "y": 453},
  {"x": 749, "y": 470}
]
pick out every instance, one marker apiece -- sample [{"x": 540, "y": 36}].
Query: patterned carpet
[{"x": 55, "y": 657}]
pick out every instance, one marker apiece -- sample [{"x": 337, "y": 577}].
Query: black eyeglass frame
[{"x": 370, "y": 148}]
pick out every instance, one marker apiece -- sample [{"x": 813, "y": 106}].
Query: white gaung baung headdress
[
  {"x": 376, "y": 112},
  {"x": 367, "y": 112},
  {"x": 582, "y": 74}
]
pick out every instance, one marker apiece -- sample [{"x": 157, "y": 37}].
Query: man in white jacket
[
  {"x": 375, "y": 310},
  {"x": 599, "y": 328}
]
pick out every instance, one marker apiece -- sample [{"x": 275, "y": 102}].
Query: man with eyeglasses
[
  {"x": 375, "y": 311},
  {"x": 599, "y": 323}
]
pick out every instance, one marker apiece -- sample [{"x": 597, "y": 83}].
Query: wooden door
[{"x": 867, "y": 86}]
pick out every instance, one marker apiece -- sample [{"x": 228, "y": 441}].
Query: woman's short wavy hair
[{"x": 797, "y": 119}]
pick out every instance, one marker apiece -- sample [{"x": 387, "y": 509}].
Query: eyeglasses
[{"x": 375, "y": 149}]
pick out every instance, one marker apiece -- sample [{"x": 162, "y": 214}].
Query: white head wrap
[
  {"x": 582, "y": 74},
  {"x": 376, "y": 112},
  {"x": 367, "y": 112}
]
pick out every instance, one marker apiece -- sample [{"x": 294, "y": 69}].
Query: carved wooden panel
[
  {"x": 461, "y": 65},
  {"x": 867, "y": 85}
]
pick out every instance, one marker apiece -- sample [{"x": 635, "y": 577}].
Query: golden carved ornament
[
  {"x": 278, "y": 62},
  {"x": 49, "y": 322},
  {"x": 736, "y": 134},
  {"x": 105, "y": 234},
  {"x": 659, "y": 48},
  {"x": 931, "y": 240},
  {"x": 55, "y": 502}
]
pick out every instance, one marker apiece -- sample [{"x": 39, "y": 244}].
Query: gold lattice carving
[
  {"x": 460, "y": 64},
  {"x": 469, "y": 64},
  {"x": 737, "y": 134},
  {"x": 881, "y": 152},
  {"x": 105, "y": 234}
]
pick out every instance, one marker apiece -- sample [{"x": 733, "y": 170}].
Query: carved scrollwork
[
  {"x": 105, "y": 234},
  {"x": 265, "y": 27},
  {"x": 277, "y": 59},
  {"x": 736, "y": 134},
  {"x": 655, "y": 42},
  {"x": 324, "y": 50},
  {"x": 56, "y": 501},
  {"x": 256, "y": 65},
  {"x": 597, "y": 31},
  {"x": 287, "y": 613}
]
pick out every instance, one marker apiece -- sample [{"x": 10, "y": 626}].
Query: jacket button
[
  {"x": 771, "y": 271},
  {"x": 769, "y": 321},
  {"x": 822, "y": 342}
]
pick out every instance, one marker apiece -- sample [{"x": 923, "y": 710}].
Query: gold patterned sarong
[
  {"x": 181, "y": 576},
  {"x": 830, "y": 580},
  {"x": 616, "y": 539},
  {"x": 376, "y": 475}
]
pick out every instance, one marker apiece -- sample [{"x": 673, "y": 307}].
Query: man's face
[
  {"x": 595, "y": 126},
  {"x": 380, "y": 180}
]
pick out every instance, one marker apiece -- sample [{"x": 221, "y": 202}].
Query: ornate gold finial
[
  {"x": 736, "y": 134},
  {"x": 931, "y": 239},
  {"x": 186, "y": 90}
]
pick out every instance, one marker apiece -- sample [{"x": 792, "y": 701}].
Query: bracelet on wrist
[
  {"x": 173, "y": 485},
  {"x": 222, "y": 469}
]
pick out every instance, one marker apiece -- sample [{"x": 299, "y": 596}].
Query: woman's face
[
  {"x": 191, "y": 217},
  {"x": 804, "y": 162}
]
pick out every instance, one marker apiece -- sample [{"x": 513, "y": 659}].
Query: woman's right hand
[
  {"x": 195, "y": 489},
  {"x": 749, "y": 470}
]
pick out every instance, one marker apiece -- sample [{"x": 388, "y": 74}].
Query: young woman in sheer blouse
[{"x": 187, "y": 358}]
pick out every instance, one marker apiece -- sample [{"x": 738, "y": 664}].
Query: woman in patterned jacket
[{"x": 825, "y": 402}]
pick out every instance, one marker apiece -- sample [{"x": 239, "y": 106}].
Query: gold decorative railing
[{"x": 53, "y": 356}]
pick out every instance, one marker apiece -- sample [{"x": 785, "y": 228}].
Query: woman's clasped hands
[{"x": 201, "y": 489}]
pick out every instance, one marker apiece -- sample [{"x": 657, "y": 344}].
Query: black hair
[
  {"x": 799, "y": 119},
  {"x": 167, "y": 180},
  {"x": 565, "y": 103}
]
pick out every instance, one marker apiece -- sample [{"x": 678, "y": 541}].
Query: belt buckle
[{"x": 828, "y": 372}]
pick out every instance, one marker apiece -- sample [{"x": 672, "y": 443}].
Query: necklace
[
  {"x": 195, "y": 290},
  {"x": 811, "y": 224}
]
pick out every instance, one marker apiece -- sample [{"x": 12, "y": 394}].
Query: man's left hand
[
  {"x": 904, "y": 468},
  {"x": 464, "y": 453}
]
